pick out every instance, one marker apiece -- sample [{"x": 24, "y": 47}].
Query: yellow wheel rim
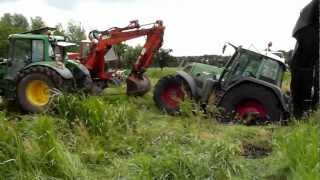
[{"x": 37, "y": 93}]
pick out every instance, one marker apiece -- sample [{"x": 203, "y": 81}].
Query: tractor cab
[
  {"x": 37, "y": 70},
  {"x": 261, "y": 66},
  {"x": 28, "y": 48},
  {"x": 247, "y": 88}
]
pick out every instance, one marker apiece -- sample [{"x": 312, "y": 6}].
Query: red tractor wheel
[
  {"x": 250, "y": 109},
  {"x": 168, "y": 93},
  {"x": 250, "y": 103}
]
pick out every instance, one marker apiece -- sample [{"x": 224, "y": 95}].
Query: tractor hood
[{"x": 307, "y": 16}]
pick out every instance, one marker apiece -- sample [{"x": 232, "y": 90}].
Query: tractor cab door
[
  {"x": 244, "y": 66},
  {"x": 23, "y": 52},
  {"x": 254, "y": 65}
]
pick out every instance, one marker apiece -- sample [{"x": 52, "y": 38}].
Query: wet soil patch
[{"x": 252, "y": 151}]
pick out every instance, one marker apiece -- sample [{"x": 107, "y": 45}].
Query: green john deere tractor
[
  {"x": 247, "y": 88},
  {"x": 37, "y": 70}
]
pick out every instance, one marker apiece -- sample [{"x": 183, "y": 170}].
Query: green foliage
[
  {"x": 130, "y": 55},
  {"x": 211, "y": 160},
  {"x": 75, "y": 32},
  {"x": 30, "y": 150},
  {"x": 163, "y": 58},
  {"x": 37, "y": 22},
  {"x": 60, "y": 31},
  {"x": 15, "y": 20},
  {"x": 300, "y": 148},
  {"x": 10, "y": 24},
  {"x": 100, "y": 117}
]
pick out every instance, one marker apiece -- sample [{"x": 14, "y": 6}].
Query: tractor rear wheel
[
  {"x": 250, "y": 104},
  {"x": 168, "y": 93},
  {"x": 36, "y": 88}
]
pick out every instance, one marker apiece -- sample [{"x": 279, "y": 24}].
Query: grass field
[{"x": 113, "y": 136}]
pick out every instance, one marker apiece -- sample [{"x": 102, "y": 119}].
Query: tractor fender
[
  {"x": 60, "y": 69},
  {"x": 273, "y": 88},
  {"x": 189, "y": 80},
  {"x": 79, "y": 66}
]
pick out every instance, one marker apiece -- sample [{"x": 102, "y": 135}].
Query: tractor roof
[
  {"x": 269, "y": 54},
  {"x": 28, "y": 36},
  {"x": 36, "y": 36}
]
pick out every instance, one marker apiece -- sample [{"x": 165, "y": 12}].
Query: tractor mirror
[{"x": 224, "y": 48}]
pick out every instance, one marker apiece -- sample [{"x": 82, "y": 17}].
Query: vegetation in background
[{"x": 37, "y": 22}]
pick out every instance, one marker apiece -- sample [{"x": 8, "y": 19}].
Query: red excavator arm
[{"x": 102, "y": 41}]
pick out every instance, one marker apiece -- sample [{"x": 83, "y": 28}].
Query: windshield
[{"x": 250, "y": 64}]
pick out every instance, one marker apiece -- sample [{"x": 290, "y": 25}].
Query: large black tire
[
  {"x": 43, "y": 74},
  {"x": 250, "y": 91},
  {"x": 160, "y": 94}
]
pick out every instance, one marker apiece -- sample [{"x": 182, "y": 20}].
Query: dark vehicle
[{"x": 248, "y": 87}]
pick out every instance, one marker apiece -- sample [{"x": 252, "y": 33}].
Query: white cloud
[{"x": 192, "y": 27}]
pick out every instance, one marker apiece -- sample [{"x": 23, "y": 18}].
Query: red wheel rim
[
  {"x": 250, "y": 106},
  {"x": 172, "y": 95}
]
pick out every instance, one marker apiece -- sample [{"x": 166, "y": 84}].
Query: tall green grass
[
  {"x": 33, "y": 151},
  {"x": 300, "y": 149}
]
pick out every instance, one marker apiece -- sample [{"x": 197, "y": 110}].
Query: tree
[
  {"x": 120, "y": 49},
  {"x": 162, "y": 57},
  {"x": 10, "y": 24},
  {"x": 130, "y": 55},
  {"x": 16, "y": 20},
  {"x": 60, "y": 31},
  {"x": 75, "y": 32},
  {"x": 37, "y": 22}
]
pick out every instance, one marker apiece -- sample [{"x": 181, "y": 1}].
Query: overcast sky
[{"x": 193, "y": 27}]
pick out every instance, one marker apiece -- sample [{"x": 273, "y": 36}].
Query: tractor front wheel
[{"x": 168, "y": 93}]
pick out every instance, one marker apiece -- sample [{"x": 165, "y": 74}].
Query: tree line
[{"x": 18, "y": 23}]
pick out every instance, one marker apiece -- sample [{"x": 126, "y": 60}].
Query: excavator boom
[{"x": 102, "y": 41}]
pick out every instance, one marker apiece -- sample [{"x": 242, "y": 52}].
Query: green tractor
[
  {"x": 247, "y": 88},
  {"x": 37, "y": 70}
]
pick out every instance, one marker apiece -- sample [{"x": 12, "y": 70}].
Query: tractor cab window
[
  {"x": 270, "y": 71},
  {"x": 250, "y": 64},
  {"x": 247, "y": 65},
  {"x": 37, "y": 50},
  {"x": 28, "y": 50},
  {"x": 22, "y": 50},
  {"x": 51, "y": 53}
]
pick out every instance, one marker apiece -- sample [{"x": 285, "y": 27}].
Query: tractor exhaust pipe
[{"x": 137, "y": 86}]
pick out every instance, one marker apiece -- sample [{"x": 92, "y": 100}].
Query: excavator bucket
[{"x": 137, "y": 86}]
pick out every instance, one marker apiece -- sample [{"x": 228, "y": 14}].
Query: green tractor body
[
  {"x": 247, "y": 87},
  {"x": 37, "y": 69}
]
